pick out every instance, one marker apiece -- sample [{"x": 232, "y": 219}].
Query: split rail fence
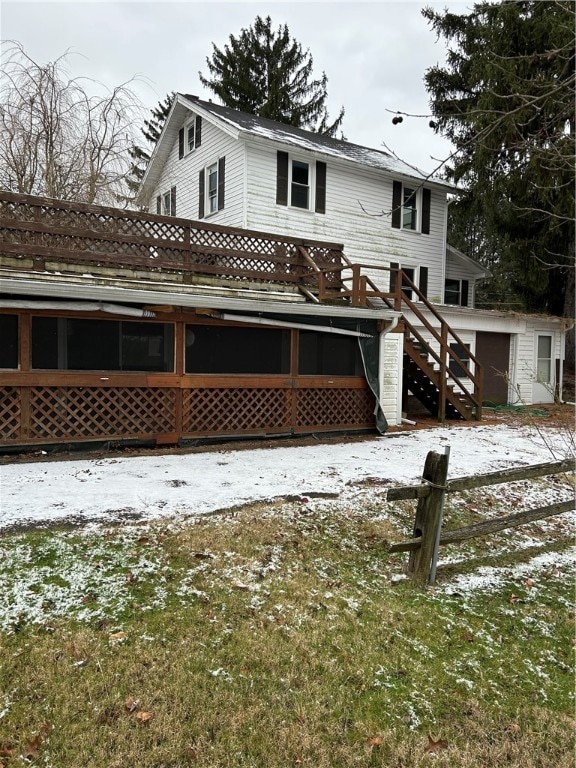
[{"x": 430, "y": 494}]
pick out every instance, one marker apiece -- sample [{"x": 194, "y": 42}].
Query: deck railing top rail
[{"x": 81, "y": 233}]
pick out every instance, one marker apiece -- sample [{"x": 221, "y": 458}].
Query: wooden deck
[
  {"x": 44, "y": 239},
  {"x": 44, "y": 230}
]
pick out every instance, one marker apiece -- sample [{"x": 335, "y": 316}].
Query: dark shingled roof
[{"x": 315, "y": 142}]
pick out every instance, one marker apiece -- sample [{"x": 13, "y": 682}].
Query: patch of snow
[{"x": 143, "y": 487}]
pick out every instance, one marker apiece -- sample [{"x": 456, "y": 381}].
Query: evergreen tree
[
  {"x": 267, "y": 73},
  {"x": 152, "y": 129},
  {"x": 506, "y": 101}
]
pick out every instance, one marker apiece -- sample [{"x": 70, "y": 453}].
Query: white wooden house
[{"x": 227, "y": 167}]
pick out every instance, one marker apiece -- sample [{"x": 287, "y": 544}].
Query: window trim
[
  {"x": 183, "y": 143},
  {"x": 204, "y": 199},
  {"x": 316, "y": 181},
  {"x": 419, "y": 278},
  {"x": 421, "y": 197},
  {"x": 166, "y": 210},
  {"x": 191, "y": 126},
  {"x": 308, "y": 187},
  {"x": 211, "y": 195}
]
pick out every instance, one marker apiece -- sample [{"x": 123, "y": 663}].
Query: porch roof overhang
[{"x": 195, "y": 298}]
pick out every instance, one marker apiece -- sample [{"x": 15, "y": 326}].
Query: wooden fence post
[{"x": 428, "y": 515}]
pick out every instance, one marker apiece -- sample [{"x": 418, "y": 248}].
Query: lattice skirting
[
  {"x": 227, "y": 410},
  {"x": 67, "y": 414}
]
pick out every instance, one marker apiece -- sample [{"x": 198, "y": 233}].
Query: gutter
[
  {"x": 77, "y": 306},
  {"x": 286, "y": 324}
]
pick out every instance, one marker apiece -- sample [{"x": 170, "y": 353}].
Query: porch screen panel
[
  {"x": 77, "y": 344},
  {"x": 325, "y": 354},
  {"x": 236, "y": 350},
  {"x": 8, "y": 341}
]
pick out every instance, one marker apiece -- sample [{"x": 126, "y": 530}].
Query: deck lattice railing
[{"x": 77, "y": 233}]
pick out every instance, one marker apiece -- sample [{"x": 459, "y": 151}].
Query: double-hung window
[
  {"x": 456, "y": 292},
  {"x": 300, "y": 184},
  {"x": 166, "y": 202},
  {"x": 211, "y": 187},
  {"x": 411, "y": 207},
  {"x": 190, "y": 136}
]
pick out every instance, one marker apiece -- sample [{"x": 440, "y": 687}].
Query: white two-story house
[{"x": 216, "y": 164}]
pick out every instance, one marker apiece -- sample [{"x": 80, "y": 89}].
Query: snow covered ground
[{"x": 153, "y": 486}]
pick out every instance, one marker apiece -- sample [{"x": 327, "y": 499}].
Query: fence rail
[{"x": 430, "y": 494}]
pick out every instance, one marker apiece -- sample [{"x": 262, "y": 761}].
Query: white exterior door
[{"x": 544, "y": 381}]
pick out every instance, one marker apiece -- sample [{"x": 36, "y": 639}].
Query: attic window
[{"x": 190, "y": 137}]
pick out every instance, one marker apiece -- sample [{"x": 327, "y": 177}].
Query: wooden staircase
[{"x": 448, "y": 386}]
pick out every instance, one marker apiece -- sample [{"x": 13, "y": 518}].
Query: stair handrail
[{"x": 360, "y": 296}]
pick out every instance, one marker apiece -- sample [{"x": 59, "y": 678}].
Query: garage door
[{"x": 493, "y": 352}]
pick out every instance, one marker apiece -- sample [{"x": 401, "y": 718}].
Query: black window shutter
[
  {"x": 201, "y": 194},
  {"x": 396, "y": 204},
  {"x": 464, "y": 294},
  {"x": 181, "y": 143},
  {"x": 198, "y": 131},
  {"x": 221, "y": 172},
  {"x": 282, "y": 178},
  {"x": 394, "y": 267},
  {"x": 426, "y": 211},
  {"x": 424, "y": 281},
  {"x": 159, "y": 204},
  {"x": 320, "y": 187},
  {"x": 173, "y": 201}
]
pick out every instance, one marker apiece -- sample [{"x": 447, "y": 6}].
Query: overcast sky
[{"x": 374, "y": 54}]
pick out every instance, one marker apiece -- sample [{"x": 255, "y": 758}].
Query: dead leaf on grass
[
  {"x": 144, "y": 717},
  {"x": 116, "y": 636},
  {"x": 375, "y": 741},
  {"x": 131, "y": 705},
  {"x": 529, "y": 583},
  {"x": 434, "y": 746}
]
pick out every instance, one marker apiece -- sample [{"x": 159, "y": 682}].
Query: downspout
[
  {"x": 383, "y": 334},
  {"x": 375, "y": 387}
]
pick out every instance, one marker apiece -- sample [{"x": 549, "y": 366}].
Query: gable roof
[
  {"x": 479, "y": 271},
  {"x": 240, "y": 124}
]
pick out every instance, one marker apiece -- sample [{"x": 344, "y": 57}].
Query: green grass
[{"x": 275, "y": 636}]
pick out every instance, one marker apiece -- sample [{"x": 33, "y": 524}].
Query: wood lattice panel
[
  {"x": 321, "y": 408},
  {"x": 223, "y": 410},
  {"x": 10, "y": 413},
  {"x": 80, "y": 233},
  {"x": 61, "y": 413}
]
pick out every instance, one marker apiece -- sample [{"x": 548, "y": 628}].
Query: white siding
[
  {"x": 390, "y": 376},
  {"x": 183, "y": 173},
  {"x": 525, "y": 387},
  {"x": 358, "y": 202}
]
